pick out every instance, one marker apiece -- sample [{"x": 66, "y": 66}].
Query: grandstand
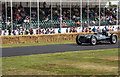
[{"x": 58, "y": 13}]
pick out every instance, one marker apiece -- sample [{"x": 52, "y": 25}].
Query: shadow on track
[{"x": 88, "y": 44}]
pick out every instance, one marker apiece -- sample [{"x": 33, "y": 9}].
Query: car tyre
[
  {"x": 113, "y": 39},
  {"x": 93, "y": 40},
  {"x": 77, "y": 40}
]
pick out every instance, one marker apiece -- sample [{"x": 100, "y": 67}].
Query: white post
[
  {"x": 6, "y": 13},
  {"x": 1, "y": 41},
  {"x": 117, "y": 14},
  {"x": 38, "y": 14},
  {"x": 60, "y": 14},
  {"x": 88, "y": 13},
  {"x": 81, "y": 12},
  {"x": 104, "y": 14},
  {"x": 70, "y": 12},
  {"x": 99, "y": 12},
  {"x": 11, "y": 17},
  {"x": 51, "y": 12},
  {"x": 30, "y": 14}
]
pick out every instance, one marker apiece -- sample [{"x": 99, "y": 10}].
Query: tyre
[
  {"x": 93, "y": 40},
  {"x": 77, "y": 40},
  {"x": 113, "y": 39}
]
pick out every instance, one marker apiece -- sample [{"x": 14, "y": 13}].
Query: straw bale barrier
[{"x": 42, "y": 38}]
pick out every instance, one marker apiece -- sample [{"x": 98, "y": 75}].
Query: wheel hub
[
  {"x": 113, "y": 39},
  {"x": 93, "y": 40}
]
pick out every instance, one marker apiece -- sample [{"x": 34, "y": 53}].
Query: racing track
[{"x": 20, "y": 51}]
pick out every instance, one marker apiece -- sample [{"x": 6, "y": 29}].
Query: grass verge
[
  {"x": 92, "y": 62},
  {"x": 38, "y": 44}
]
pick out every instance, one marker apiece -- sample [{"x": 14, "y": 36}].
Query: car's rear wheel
[
  {"x": 113, "y": 39},
  {"x": 93, "y": 40},
  {"x": 78, "y": 40}
]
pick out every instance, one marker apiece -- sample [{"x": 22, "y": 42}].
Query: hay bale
[{"x": 43, "y": 38}]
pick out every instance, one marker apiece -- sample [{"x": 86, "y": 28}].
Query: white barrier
[{"x": 63, "y": 30}]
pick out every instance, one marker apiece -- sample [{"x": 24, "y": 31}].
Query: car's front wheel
[
  {"x": 78, "y": 40},
  {"x": 113, "y": 39},
  {"x": 93, "y": 40}
]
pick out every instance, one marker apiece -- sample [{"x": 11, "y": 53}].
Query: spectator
[
  {"x": 19, "y": 32},
  {"x": 78, "y": 23},
  {"x": 113, "y": 29},
  {"x": 59, "y": 30},
  {"x": 98, "y": 29},
  {"x": 86, "y": 30},
  {"x": 23, "y": 32},
  {"x": 110, "y": 29},
  {"x": 5, "y": 32},
  {"x": 14, "y": 33},
  {"x": 43, "y": 31},
  {"x": 118, "y": 28},
  {"x": 31, "y": 31},
  {"x": 46, "y": 19},
  {"x": 104, "y": 29},
  {"x": 9, "y": 32},
  {"x": 94, "y": 29},
  {"x": 26, "y": 20},
  {"x": 51, "y": 30},
  {"x": 74, "y": 30},
  {"x": 67, "y": 30},
  {"x": 47, "y": 32},
  {"x": 90, "y": 30},
  {"x": 83, "y": 30},
  {"x": 71, "y": 30},
  {"x": 26, "y": 31},
  {"x": 38, "y": 31},
  {"x": 8, "y": 23},
  {"x": 79, "y": 30}
]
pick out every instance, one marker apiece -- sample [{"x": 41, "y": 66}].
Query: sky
[{"x": 113, "y": 2}]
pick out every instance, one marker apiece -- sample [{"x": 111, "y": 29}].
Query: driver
[{"x": 104, "y": 32}]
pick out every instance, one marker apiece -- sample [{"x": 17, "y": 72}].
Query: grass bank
[{"x": 92, "y": 62}]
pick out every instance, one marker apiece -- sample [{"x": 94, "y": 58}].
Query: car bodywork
[{"x": 98, "y": 37}]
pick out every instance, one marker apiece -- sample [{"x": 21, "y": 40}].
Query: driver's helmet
[{"x": 104, "y": 32}]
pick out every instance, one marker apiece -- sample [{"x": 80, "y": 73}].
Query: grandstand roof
[
  {"x": 119, "y": 3},
  {"x": 57, "y": 0},
  {"x": 92, "y": 3}
]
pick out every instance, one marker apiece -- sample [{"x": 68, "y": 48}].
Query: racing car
[{"x": 96, "y": 38}]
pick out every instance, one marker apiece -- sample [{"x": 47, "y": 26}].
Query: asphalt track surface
[{"x": 30, "y": 50}]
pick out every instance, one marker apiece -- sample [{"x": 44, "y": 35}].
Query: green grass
[
  {"x": 38, "y": 44},
  {"x": 92, "y": 62}
]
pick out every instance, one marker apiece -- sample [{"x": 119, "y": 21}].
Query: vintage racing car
[{"x": 95, "y": 38}]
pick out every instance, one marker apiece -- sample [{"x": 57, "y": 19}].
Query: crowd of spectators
[
  {"x": 22, "y": 15},
  {"x": 73, "y": 29},
  {"x": 107, "y": 14},
  {"x": 26, "y": 31},
  {"x": 98, "y": 29}
]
